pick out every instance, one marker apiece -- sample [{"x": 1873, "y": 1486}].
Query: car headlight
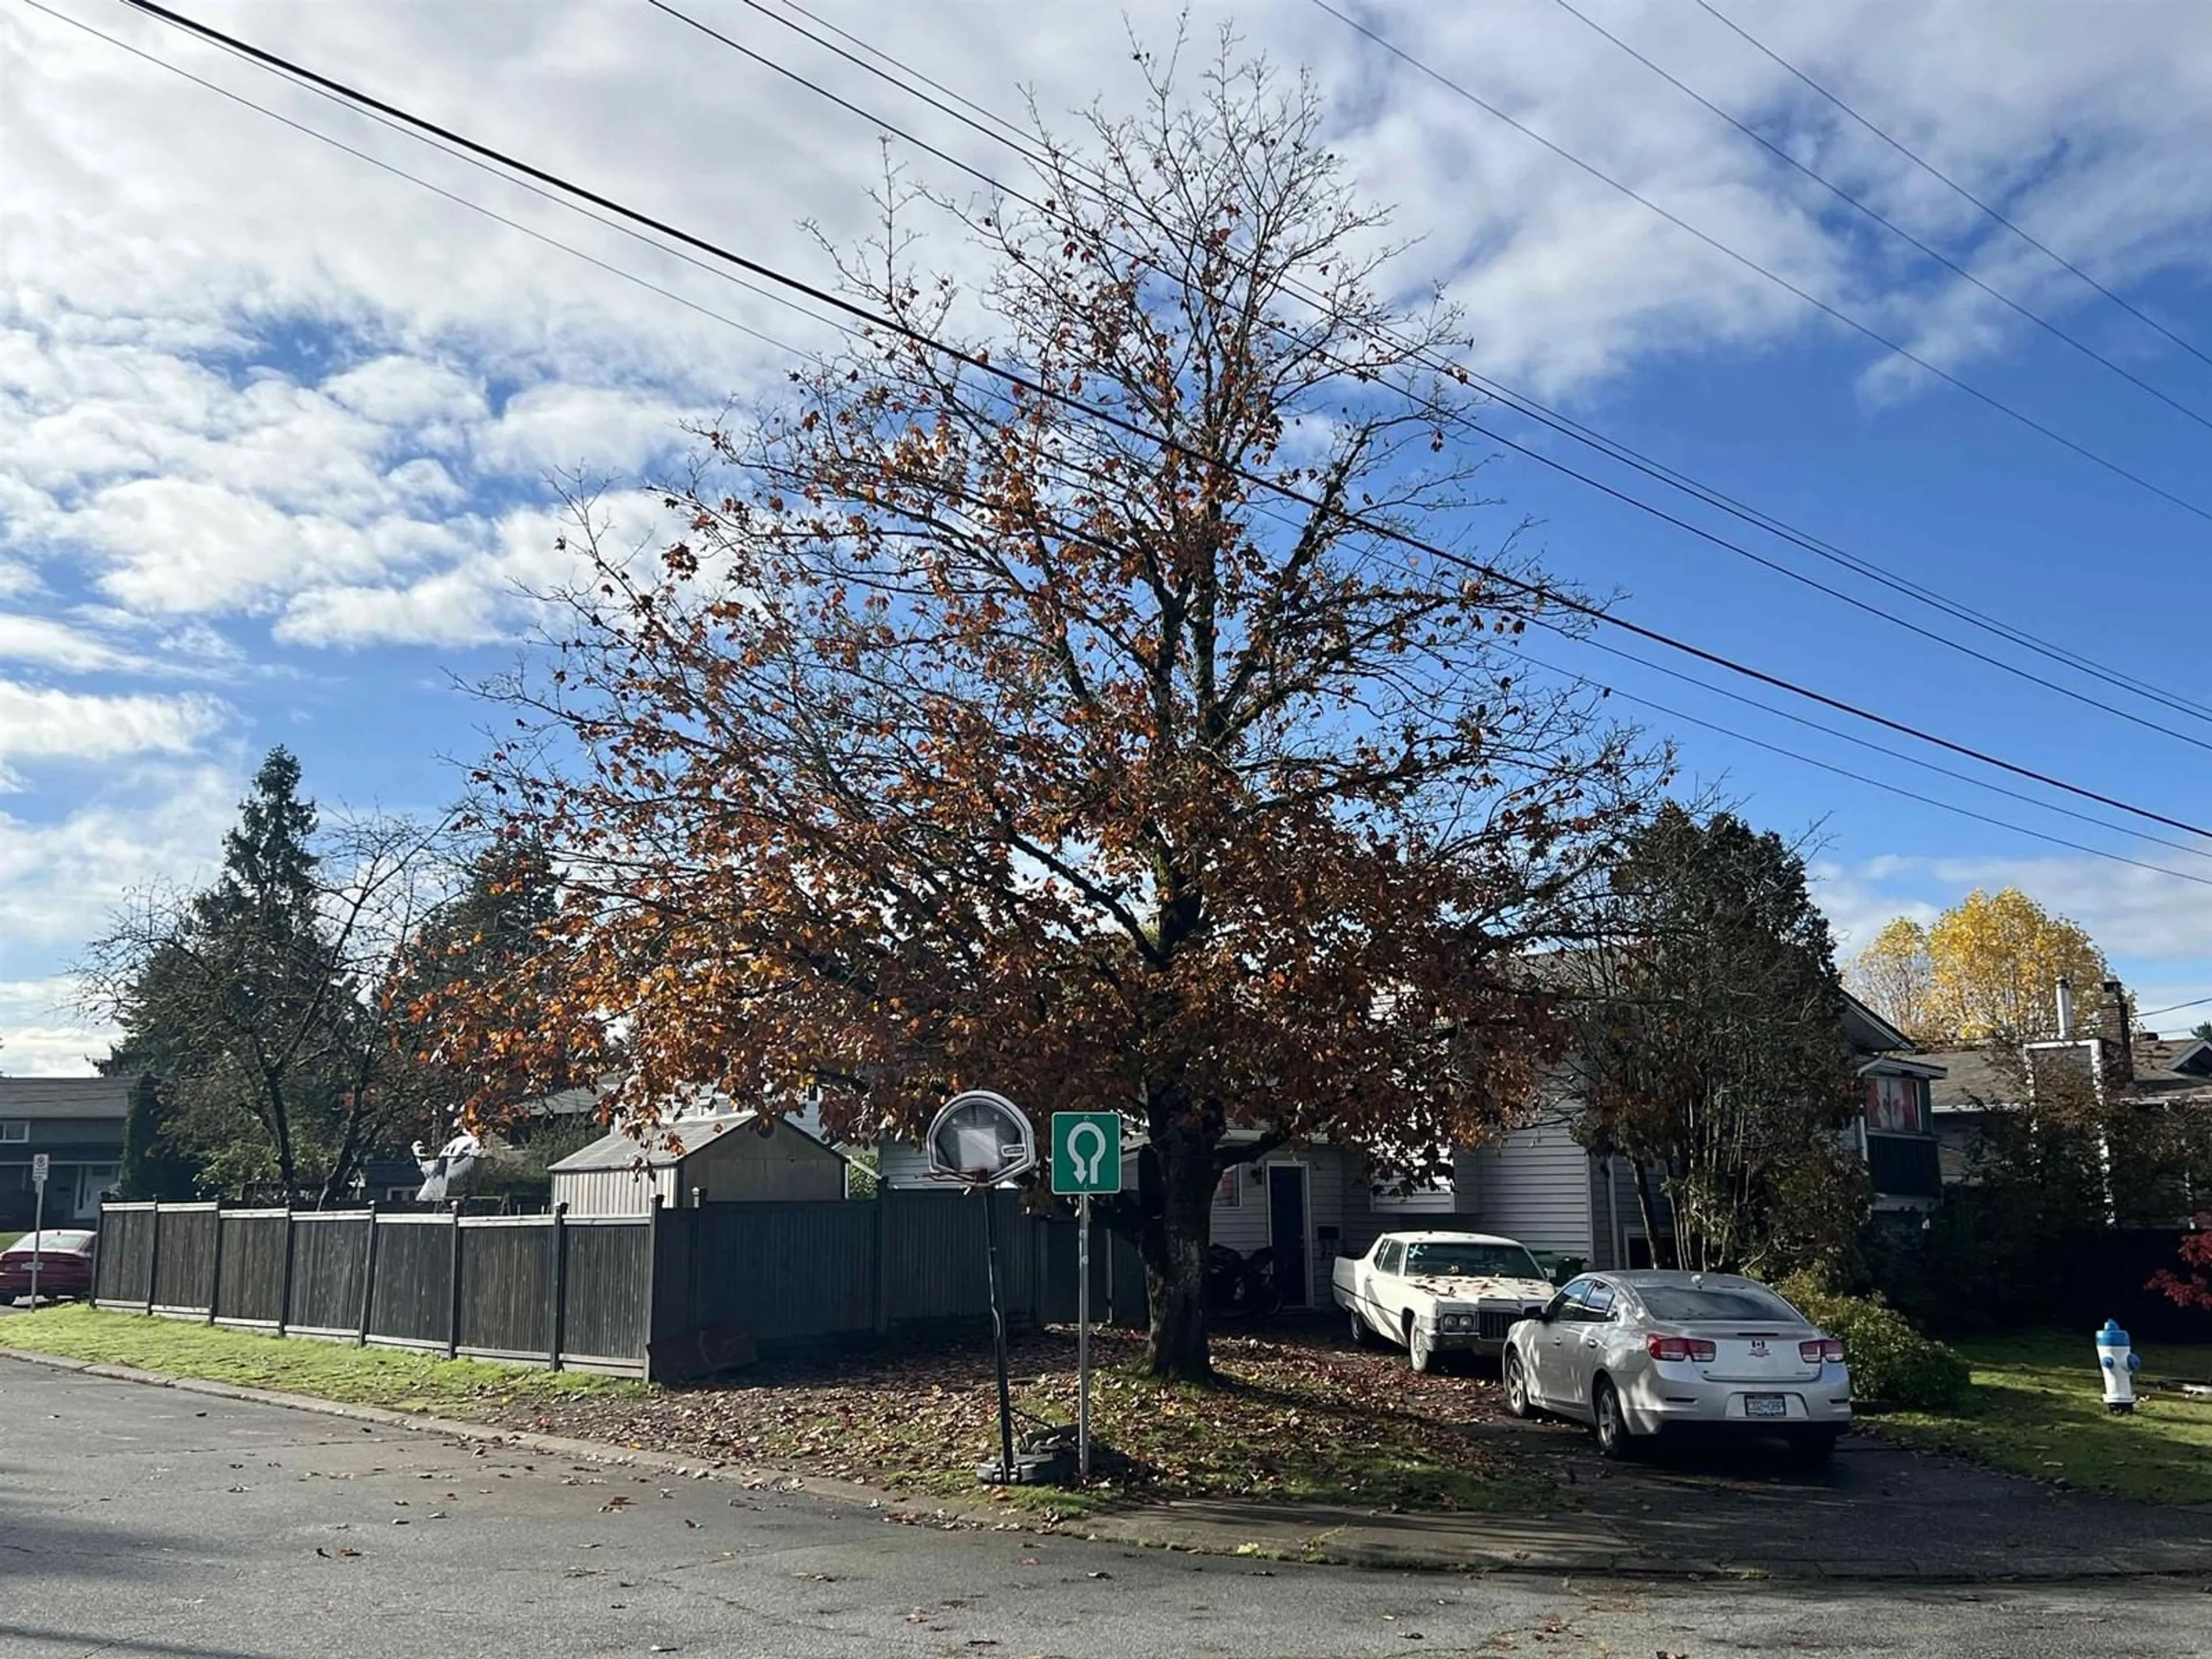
[{"x": 1459, "y": 1322}]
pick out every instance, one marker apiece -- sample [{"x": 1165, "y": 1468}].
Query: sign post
[
  {"x": 1086, "y": 1158},
  {"x": 41, "y": 1163},
  {"x": 981, "y": 1138}
]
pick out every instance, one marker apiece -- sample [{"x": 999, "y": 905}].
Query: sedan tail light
[
  {"x": 1680, "y": 1347},
  {"x": 1825, "y": 1350}
]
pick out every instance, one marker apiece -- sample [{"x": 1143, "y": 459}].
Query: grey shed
[{"x": 733, "y": 1158}]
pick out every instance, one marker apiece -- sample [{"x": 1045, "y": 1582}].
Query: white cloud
[
  {"x": 140, "y": 823},
  {"x": 493, "y": 591},
  {"x": 600, "y": 430},
  {"x": 54, "y": 644},
  {"x": 39, "y": 723},
  {"x": 43, "y": 1033}
]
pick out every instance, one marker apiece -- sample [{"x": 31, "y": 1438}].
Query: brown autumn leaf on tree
[{"x": 966, "y": 738}]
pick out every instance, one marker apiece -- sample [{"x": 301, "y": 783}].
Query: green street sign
[{"x": 1086, "y": 1153}]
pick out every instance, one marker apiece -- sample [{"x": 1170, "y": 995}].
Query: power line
[
  {"x": 1884, "y": 748},
  {"x": 2174, "y": 1009},
  {"x": 1454, "y": 417},
  {"x": 1945, "y": 179},
  {"x": 1521, "y": 403},
  {"x": 1749, "y": 264},
  {"x": 771, "y": 340},
  {"x": 1884, "y": 220},
  {"x": 1609, "y": 690},
  {"x": 1871, "y": 782},
  {"x": 1022, "y": 385}
]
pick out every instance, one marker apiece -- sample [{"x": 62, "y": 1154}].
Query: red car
[{"x": 65, "y": 1259}]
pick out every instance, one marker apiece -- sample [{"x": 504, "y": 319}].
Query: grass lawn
[
  {"x": 2037, "y": 1409},
  {"x": 1300, "y": 1419},
  {"x": 391, "y": 1378},
  {"x": 6, "y": 1239}
]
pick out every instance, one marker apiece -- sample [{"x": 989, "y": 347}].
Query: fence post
[
  {"x": 153, "y": 1257},
  {"x": 284, "y": 1285},
  {"x": 215, "y": 1265},
  {"x": 368, "y": 1279},
  {"x": 454, "y": 1302},
  {"x": 560, "y": 1321},
  {"x": 652, "y": 1274}
]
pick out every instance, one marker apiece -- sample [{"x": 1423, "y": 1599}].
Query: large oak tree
[{"x": 969, "y": 738}]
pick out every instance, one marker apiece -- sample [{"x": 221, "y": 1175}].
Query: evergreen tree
[
  {"x": 261, "y": 1001},
  {"x": 1710, "y": 1052}
]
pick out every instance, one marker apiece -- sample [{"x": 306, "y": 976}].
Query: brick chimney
[{"x": 2117, "y": 1032}]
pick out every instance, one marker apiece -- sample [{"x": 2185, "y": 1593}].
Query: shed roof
[
  {"x": 50, "y": 1097},
  {"x": 620, "y": 1150}
]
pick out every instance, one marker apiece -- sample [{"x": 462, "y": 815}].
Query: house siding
[
  {"x": 605, "y": 1191},
  {"x": 1535, "y": 1186}
]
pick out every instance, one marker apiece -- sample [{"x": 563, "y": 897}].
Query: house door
[{"x": 1287, "y": 1232}]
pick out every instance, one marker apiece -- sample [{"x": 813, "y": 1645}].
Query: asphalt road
[{"x": 144, "y": 1521}]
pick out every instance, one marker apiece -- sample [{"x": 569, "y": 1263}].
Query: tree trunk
[
  {"x": 1643, "y": 1174},
  {"x": 1173, "y": 1242}
]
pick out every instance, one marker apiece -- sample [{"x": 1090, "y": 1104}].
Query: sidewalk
[{"x": 1881, "y": 1513}]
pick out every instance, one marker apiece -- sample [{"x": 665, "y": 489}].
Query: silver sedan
[{"x": 1644, "y": 1353}]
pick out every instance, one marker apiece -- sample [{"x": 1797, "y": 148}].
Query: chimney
[
  {"x": 2065, "y": 1009},
  {"x": 2119, "y": 1039}
]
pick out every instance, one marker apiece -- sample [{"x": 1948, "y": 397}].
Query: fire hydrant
[{"x": 2119, "y": 1364}]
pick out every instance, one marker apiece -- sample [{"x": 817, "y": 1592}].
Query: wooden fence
[
  {"x": 544, "y": 1289},
  {"x": 637, "y": 1295}
]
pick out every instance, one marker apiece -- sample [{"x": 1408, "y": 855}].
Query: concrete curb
[{"x": 1517, "y": 1549}]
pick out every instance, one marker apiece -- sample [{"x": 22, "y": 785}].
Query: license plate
[{"x": 1766, "y": 1405}]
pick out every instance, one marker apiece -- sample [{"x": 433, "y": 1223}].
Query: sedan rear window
[{"x": 1688, "y": 1302}]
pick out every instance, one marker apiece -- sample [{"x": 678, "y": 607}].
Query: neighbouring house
[
  {"x": 2120, "y": 1063},
  {"x": 77, "y": 1122},
  {"x": 1535, "y": 1183},
  {"x": 720, "y": 1158},
  {"x": 1539, "y": 1185}
]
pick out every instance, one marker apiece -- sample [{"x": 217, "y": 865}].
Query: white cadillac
[
  {"x": 1648, "y": 1352},
  {"x": 1435, "y": 1294}
]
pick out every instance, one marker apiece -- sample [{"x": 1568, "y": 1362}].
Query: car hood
[{"x": 1451, "y": 1287}]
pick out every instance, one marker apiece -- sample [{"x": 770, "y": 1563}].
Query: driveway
[
  {"x": 138, "y": 1521},
  {"x": 1875, "y": 1504}
]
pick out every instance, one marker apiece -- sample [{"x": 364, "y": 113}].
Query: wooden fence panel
[
  {"x": 506, "y": 1287},
  {"x": 123, "y": 1272},
  {"x": 251, "y": 1246},
  {"x": 785, "y": 1271},
  {"x": 185, "y": 1269},
  {"x": 608, "y": 1293},
  {"x": 411, "y": 1303},
  {"x": 329, "y": 1269},
  {"x": 933, "y": 1258}
]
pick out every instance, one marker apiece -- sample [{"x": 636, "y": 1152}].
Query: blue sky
[{"x": 276, "y": 428}]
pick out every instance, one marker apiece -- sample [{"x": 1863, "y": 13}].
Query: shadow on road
[
  {"x": 78, "y": 1640},
  {"x": 70, "y": 1543}
]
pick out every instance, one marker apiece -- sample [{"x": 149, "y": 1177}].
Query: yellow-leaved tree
[
  {"x": 1990, "y": 966},
  {"x": 1892, "y": 976}
]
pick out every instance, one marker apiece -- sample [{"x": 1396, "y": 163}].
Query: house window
[
  {"x": 1228, "y": 1192},
  {"x": 15, "y": 1129},
  {"x": 1893, "y": 1105}
]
